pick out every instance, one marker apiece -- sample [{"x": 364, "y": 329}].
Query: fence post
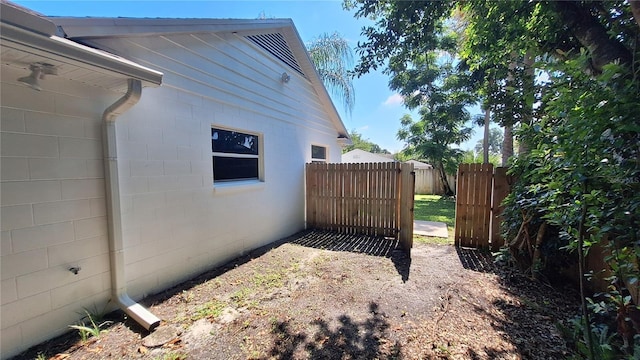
[{"x": 407, "y": 185}]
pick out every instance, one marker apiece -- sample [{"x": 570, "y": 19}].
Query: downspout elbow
[{"x": 116, "y": 243}]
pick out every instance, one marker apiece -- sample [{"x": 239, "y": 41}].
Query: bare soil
[{"x": 320, "y": 295}]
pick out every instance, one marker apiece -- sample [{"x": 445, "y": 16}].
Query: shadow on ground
[
  {"x": 351, "y": 339},
  {"x": 343, "y": 337},
  {"x": 356, "y": 243},
  {"x": 476, "y": 260},
  {"x": 529, "y": 319}
]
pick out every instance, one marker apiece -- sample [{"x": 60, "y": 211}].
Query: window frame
[
  {"x": 259, "y": 156},
  {"x": 320, "y": 160}
]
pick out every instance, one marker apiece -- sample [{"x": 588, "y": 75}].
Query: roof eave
[
  {"x": 97, "y": 27},
  {"x": 35, "y": 35}
]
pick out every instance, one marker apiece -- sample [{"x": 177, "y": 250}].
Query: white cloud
[
  {"x": 394, "y": 100},
  {"x": 363, "y": 128}
]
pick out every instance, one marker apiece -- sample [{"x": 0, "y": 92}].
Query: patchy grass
[
  {"x": 435, "y": 208},
  {"x": 421, "y": 239},
  {"x": 210, "y": 310}
]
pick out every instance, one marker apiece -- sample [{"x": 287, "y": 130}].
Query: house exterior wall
[
  {"x": 177, "y": 222},
  {"x": 52, "y": 208}
]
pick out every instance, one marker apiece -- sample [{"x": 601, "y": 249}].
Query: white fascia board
[
  {"x": 95, "y": 27},
  {"x": 77, "y": 54}
]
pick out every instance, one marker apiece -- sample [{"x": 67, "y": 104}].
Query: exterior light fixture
[
  {"x": 38, "y": 71},
  {"x": 285, "y": 78}
]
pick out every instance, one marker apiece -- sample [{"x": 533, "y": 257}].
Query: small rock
[{"x": 160, "y": 336}]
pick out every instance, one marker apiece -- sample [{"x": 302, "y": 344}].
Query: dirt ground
[{"x": 324, "y": 296}]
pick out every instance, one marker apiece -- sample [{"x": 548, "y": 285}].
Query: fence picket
[
  {"x": 371, "y": 199},
  {"x": 480, "y": 190}
]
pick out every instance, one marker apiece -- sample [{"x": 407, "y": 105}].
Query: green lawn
[{"x": 435, "y": 208}]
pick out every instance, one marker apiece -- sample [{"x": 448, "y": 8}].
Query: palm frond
[{"x": 333, "y": 59}]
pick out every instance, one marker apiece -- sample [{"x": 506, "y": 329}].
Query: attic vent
[{"x": 278, "y": 47}]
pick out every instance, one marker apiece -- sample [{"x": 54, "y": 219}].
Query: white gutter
[{"x": 116, "y": 244}]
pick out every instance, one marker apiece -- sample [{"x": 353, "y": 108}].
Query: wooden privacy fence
[
  {"x": 480, "y": 191},
  {"x": 428, "y": 182},
  {"x": 367, "y": 198}
]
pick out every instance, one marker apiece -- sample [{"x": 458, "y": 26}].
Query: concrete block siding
[
  {"x": 176, "y": 222},
  {"x": 53, "y": 207}
]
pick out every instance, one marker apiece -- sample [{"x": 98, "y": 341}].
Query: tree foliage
[
  {"x": 567, "y": 73},
  {"x": 443, "y": 115},
  {"x": 495, "y": 142},
  {"x": 358, "y": 142}
]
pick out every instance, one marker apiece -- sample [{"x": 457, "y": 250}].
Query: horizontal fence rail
[{"x": 373, "y": 199}]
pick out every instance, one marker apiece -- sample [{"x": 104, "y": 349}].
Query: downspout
[{"x": 116, "y": 244}]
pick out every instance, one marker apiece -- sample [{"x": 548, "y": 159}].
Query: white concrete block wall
[
  {"x": 177, "y": 223},
  {"x": 52, "y": 208},
  {"x": 182, "y": 218}
]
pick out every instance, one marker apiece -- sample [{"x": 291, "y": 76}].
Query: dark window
[
  {"x": 235, "y": 155},
  {"x": 318, "y": 153}
]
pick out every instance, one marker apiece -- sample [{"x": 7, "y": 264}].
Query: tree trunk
[
  {"x": 507, "y": 144},
  {"x": 592, "y": 35},
  {"x": 536, "y": 251},
  {"x": 485, "y": 141},
  {"x": 443, "y": 176},
  {"x": 527, "y": 118},
  {"x": 635, "y": 9}
]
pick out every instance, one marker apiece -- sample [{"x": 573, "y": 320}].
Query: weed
[
  {"x": 274, "y": 323},
  {"x": 187, "y": 296},
  {"x": 172, "y": 356},
  {"x": 241, "y": 296},
  {"x": 41, "y": 356},
  {"x": 270, "y": 279},
  {"x": 294, "y": 268},
  {"x": 93, "y": 329},
  {"x": 211, "y": 309}
]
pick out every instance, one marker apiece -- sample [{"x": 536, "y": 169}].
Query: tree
[
  {"x": 430, "y": 138},
  {"x": 474, "y": 157},
  {"x": 363, "y": 144},
  {"x": 333, "y": 59},
  {"x": 443, "y": 114},
  {"x": 579, "y": 126},
  {"x": 494, "y": 142}
]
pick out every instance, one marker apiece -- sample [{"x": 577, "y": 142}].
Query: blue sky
[{"x": 377, "y": 109}]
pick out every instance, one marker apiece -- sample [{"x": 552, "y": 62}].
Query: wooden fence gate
[
  {"x": 370, "y": 198},
  {"x": 480, "y": 190}
]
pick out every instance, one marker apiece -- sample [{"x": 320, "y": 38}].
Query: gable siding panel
[{"x": 201, "y": 67}]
